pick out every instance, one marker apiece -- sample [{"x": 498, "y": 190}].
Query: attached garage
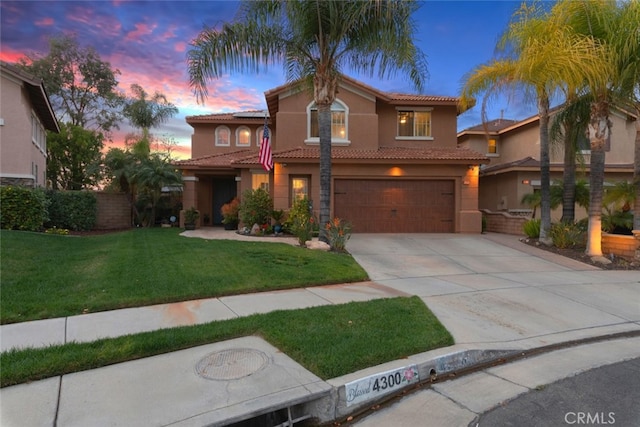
[{"x": 396, "y": 206}]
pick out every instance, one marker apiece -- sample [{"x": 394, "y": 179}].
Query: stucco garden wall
[{"x": 504, "y": 222}]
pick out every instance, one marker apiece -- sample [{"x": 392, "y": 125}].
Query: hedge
[{"x": 23, "y": 208}]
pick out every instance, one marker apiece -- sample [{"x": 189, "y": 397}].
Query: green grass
[
  {"x": 330, "y": 341},
  {"x": 45, "y": 276}
]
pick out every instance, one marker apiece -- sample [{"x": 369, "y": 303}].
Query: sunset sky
[{"x": 148, "y": 41}]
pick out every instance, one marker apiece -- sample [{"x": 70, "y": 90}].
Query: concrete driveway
[{"x": 494, "y": 291}]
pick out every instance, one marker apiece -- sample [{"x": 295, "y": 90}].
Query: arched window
[
  {"x": 243, "y": 136},
  {"x": 339, "y": 123},
  {"x": 223, "y": 136}
]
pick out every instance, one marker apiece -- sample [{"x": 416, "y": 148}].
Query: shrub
[
  {"x": 300, "y": 222},
  {"x": 618, "y": 222},
  {"x": 338, "y": 233},
  {"x": 74, "y": 210},
  {"x": 256, "y": 207},
  {"x": 23, "y": 208},
  {"x": 230, "y": 211},
  {"x": 566, "y": 235},
  {"x": 532, "y": 228}
]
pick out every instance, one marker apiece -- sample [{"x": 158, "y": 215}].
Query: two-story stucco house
[
  {"x": 396, "y": 166},
  {"x": 25, "y": 116},
  {"x": 513, "y": 148}
]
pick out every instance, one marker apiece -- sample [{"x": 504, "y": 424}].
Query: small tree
[
  {"x": 73, "y": 158},
  {"x": 256, "y": 207}
]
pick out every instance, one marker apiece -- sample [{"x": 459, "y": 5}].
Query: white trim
[
  {"x": 190, "y": 178},
  {"x": 219, "y": 128},
  {"x": 238, "y": 130},
  {"x": 344, "y": 141},
  {"x": 415, "y": 138},
  {"x": 17, "y": 175}
]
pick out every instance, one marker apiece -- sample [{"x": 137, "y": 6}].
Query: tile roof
[
  {"x": 214, "y": 160},
  {"x": 382, "y": 154},
  {"x": 420, "y": 98},
  {"x": 492, "y": 126},
  {"x": 240, "y": 116}
]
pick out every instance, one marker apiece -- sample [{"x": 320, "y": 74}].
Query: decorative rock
[
  {"x": 601, "y": 260},
  {"x": 317, "y": 244},
  {"x": 255, "y": 229}
]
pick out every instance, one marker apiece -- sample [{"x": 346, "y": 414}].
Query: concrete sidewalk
[{"x": 495, "y": 295}]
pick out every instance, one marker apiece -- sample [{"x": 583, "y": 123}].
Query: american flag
[{"x": 265, "y": 150}]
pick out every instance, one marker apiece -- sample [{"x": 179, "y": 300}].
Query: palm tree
[
  {"x": 151, "y": 176},
  {"x": 145, "y": 113},
  {"x": 315, "y": 40},
  {"x": 613, "y": 28},
  {"x": 629, "y": 91},
  {"x": 568, "y": 127},
  {"x": 540, "y": 51}
]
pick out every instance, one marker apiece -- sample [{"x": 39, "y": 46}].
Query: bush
[
  {"x": 73, "y": 210},
  {"x": 300, "y": 222},
  {"x": 618, "y": 222},
  {"x": 532, "y": 228},
  {"x": 256, "y": 207},
  {"x": 338, "y": 233},
  {"x": 565, "y": 235},
  {"x": 23, "y": 208},
  {"x": 230, "y": 211}
]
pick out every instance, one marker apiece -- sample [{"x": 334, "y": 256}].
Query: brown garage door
[{"x": 396, "y": 206}]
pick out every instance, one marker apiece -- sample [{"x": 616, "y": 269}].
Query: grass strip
[
  {"x": 47, "y": 276},
  {"x": 329, "y": 341}
]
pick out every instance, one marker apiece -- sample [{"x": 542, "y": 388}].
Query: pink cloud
[
  {"x": 140, "y": 31},
  {"x": 9, "y": 55},
  {"x": 44, "y": 22},
  {"x": 170, "y": 32},
  {"x": 103, "y": 25},
  {"x": 180, "y": 47}
]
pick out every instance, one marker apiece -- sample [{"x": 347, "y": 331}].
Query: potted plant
[
  {"x": 191, "y": 216},
  {"x": 230, "y": 212},
  {"x": 277, "y": 217}
]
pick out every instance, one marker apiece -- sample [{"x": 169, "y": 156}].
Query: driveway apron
[{"x": 494, "y": 289}]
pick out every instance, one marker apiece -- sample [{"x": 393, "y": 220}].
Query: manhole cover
[{"x": 231, "y": 364}]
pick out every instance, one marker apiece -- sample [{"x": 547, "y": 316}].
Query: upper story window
[
  {"x": 339, "y": 123},
  {"x": 38, "y": 134},
  {"x": 584, "y": 144},
  {"x": 414, "y": 124},
  {"x": 223, "y": 136},
  {"x": 243, "y": 136},
  {"x": 492, "y": 146}
]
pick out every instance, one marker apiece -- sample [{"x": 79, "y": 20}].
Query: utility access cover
[{"x": 231, "y": 364}]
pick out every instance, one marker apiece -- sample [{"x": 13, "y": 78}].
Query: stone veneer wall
[
  {"x": 114, "y": 211},
  {"x": 621, "y": 245},
  {"x": 503, "y": 222}
]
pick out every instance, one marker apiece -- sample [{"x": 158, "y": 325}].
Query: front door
[{"x": 224, "y": 190}]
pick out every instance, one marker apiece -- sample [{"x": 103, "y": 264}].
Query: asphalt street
[{"x": 608, "y": 395}]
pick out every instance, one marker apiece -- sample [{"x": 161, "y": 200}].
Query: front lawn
[
  {"x": 45, "y": 276},
  {"x": 330, "y": 341}
]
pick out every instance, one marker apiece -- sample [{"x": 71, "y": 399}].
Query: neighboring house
[
  {"x": 25, "y": 116},
  {"x": 395, "y": 163},
  {"x": 514, "y": 152}
]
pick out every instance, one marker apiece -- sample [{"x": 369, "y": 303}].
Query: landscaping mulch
[{"x": 578, "y": 253}]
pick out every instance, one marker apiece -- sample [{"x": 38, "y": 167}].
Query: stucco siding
[{"x": 19, "y": 155}]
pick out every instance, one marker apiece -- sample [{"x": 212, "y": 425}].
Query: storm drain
[{"x": 231, "y": 364}]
